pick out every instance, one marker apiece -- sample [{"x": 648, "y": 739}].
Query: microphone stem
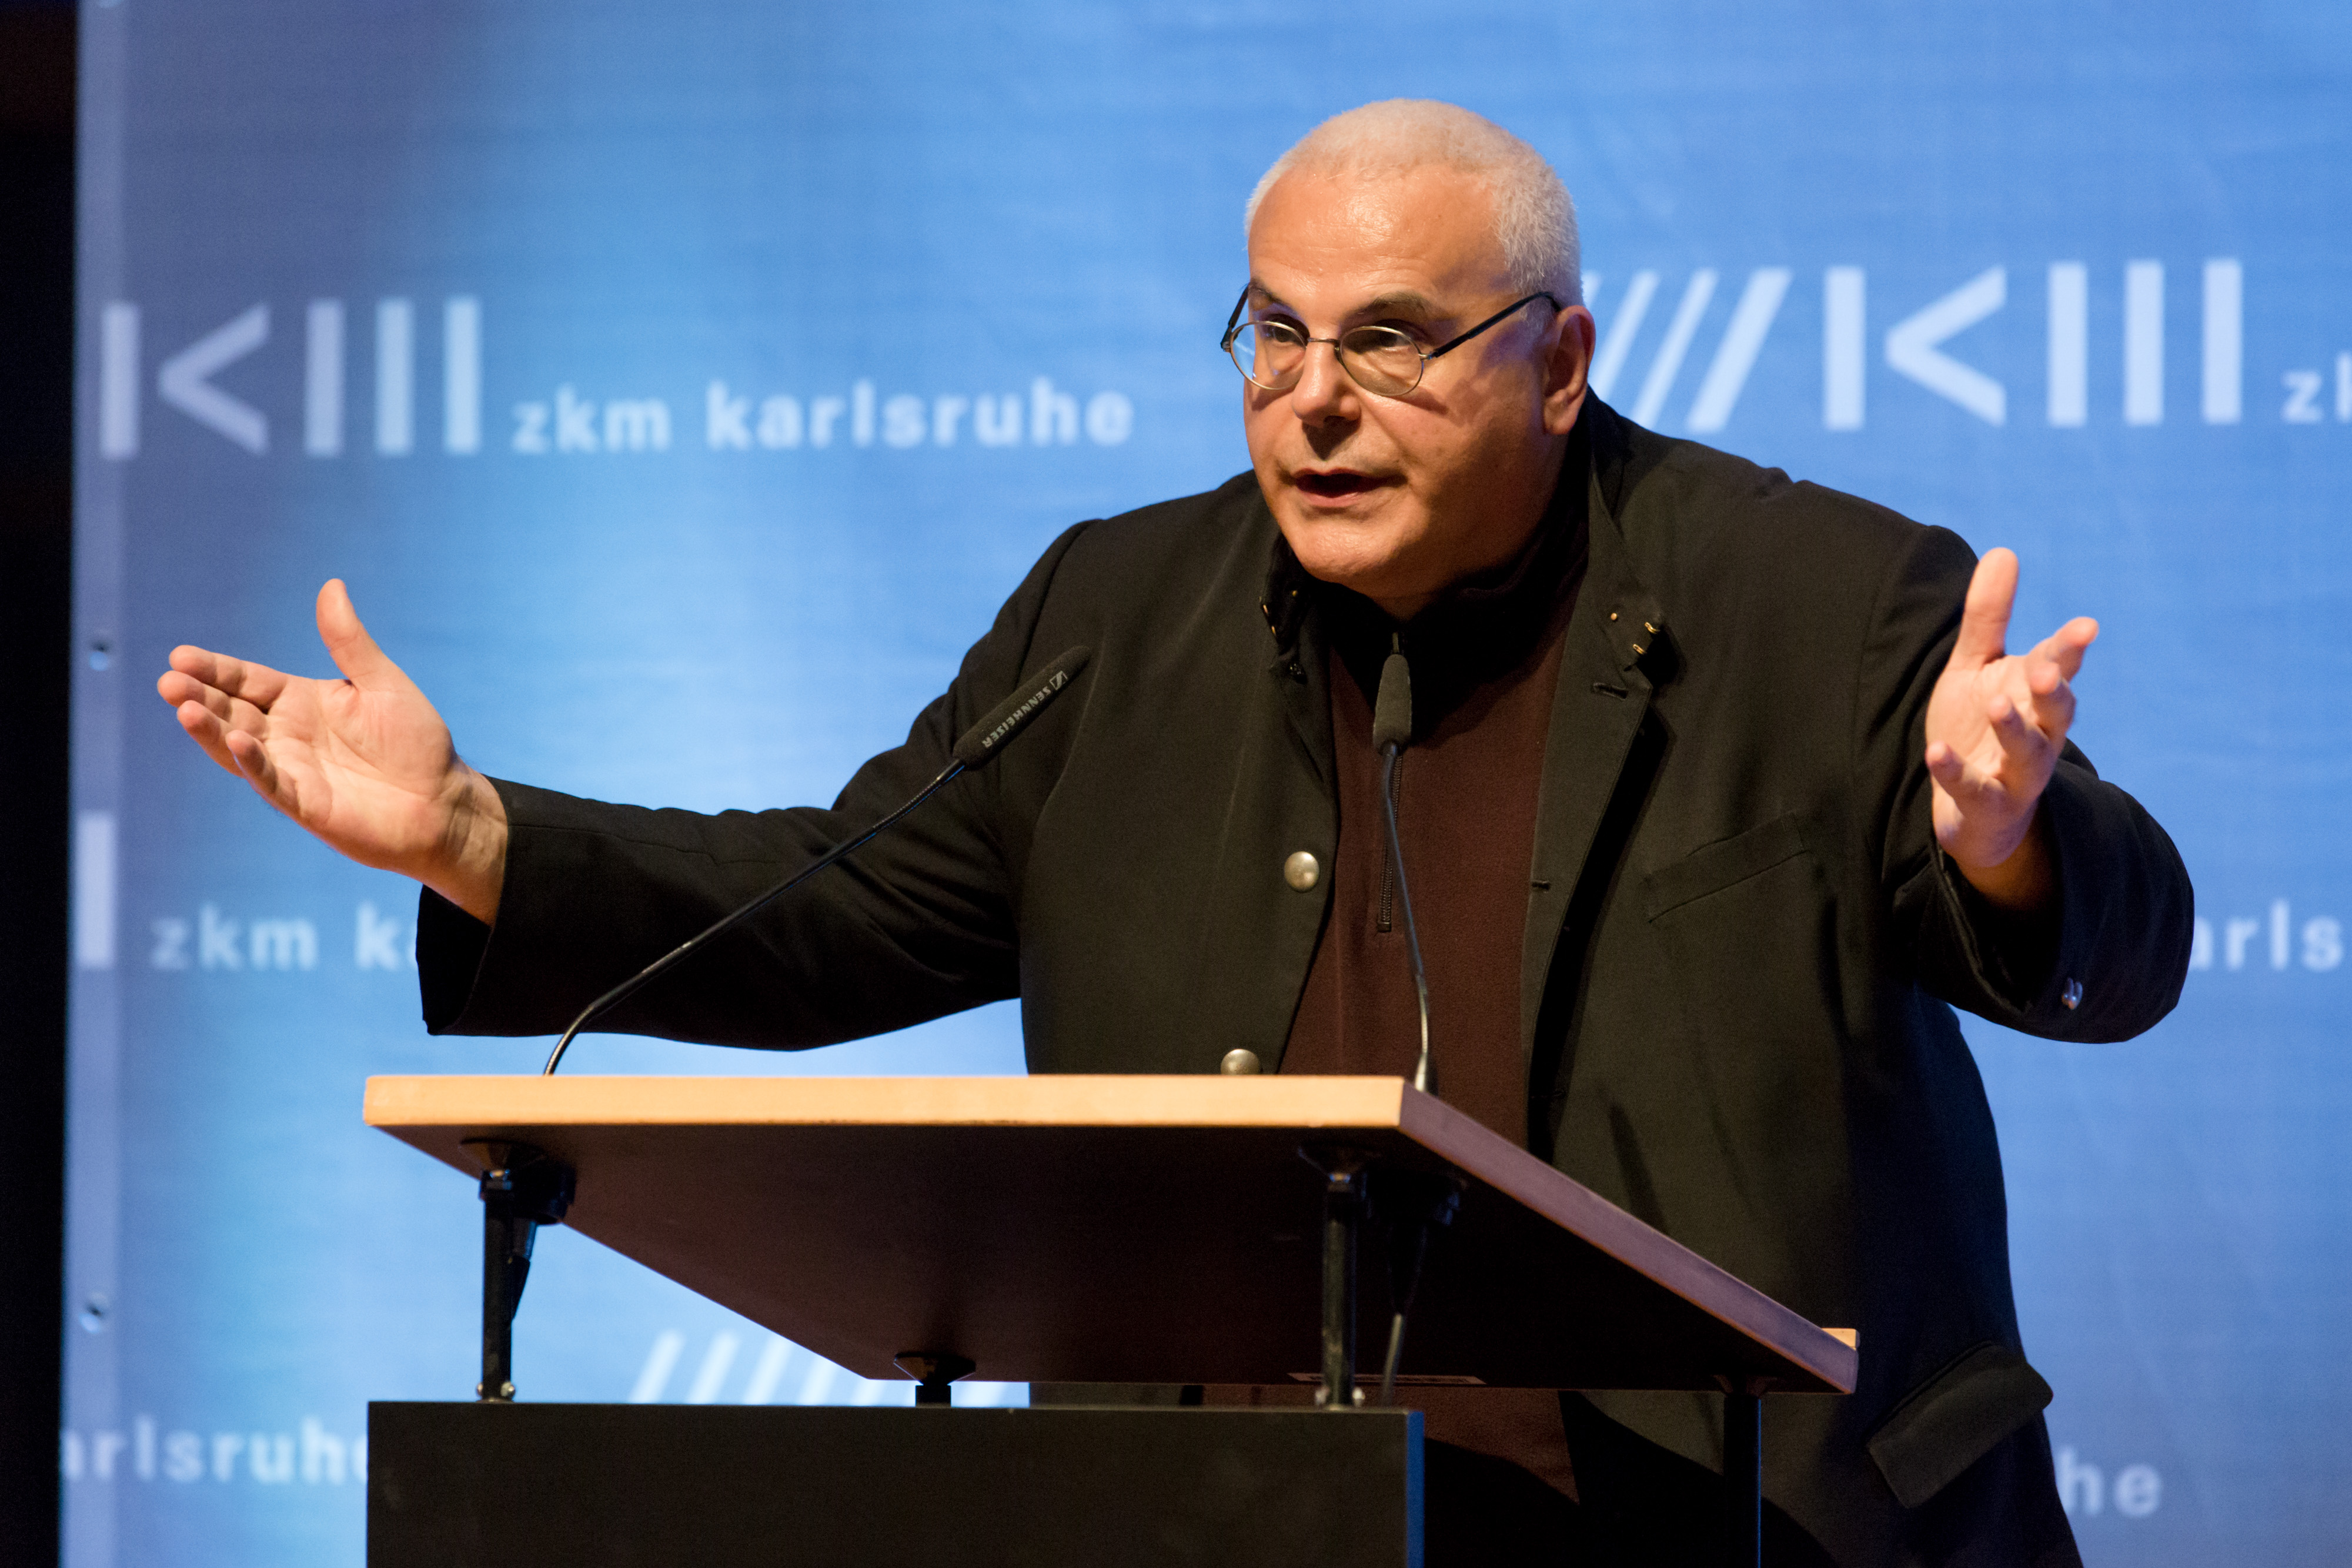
[
  {"x": 1425, "y": 1076},
  {"x": 728, "y": 922}
]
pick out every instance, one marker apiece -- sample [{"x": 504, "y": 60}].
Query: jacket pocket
[
  {"x": 1745, "y": 1101},
  {"x": 1953, "y": 1419},
  {"x": 1714, "y": 867}
]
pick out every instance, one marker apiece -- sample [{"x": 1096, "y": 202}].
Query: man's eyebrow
[
  {"x": 1401, "y": 302},
  {"x": 1406, "y": 302}
]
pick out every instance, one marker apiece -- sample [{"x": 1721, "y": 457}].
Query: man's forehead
[{"x": 1412, "y": 242}]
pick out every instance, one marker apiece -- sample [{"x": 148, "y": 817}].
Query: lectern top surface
[
  {"x": 1100, "y": 1228},
  {"x": 1060, "y": 1099}
]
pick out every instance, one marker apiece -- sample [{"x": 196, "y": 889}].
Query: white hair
[{"x": 1534, "y": 219}]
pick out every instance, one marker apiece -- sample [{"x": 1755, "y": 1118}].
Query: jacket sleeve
[
  {"x": 2109, "y": 961},
  {"x": 914, "y": 925}
]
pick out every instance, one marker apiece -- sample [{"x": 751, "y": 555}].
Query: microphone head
[
  {"x": 980, "y": 743},
  {"x": 1392, "y": 709}
]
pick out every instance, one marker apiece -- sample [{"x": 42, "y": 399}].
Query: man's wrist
[
  {"x": 2026, "y": 880},
  {"x": 474, "y": 875}
]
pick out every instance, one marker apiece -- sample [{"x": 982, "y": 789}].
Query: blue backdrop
[{"x": 680, "y": 389}]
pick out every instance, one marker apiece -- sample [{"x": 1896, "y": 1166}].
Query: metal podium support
[{"x": 522, "y": 1190}]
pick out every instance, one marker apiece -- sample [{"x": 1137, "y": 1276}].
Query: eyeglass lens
[{"x": 1381, "y": 359}]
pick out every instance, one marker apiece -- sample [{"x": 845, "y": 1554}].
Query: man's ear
[{"x": 1565, "y": 369}]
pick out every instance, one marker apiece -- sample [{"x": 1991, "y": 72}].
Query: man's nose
[{"x": 1324, "y": 391}]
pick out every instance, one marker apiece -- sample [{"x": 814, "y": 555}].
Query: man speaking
[{"x": 1719, "y": 793}]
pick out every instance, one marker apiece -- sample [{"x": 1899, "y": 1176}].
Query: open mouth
[{"x": 1336, "y": 486}]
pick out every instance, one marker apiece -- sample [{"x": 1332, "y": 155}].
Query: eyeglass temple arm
[
  {"x": 1444, "y": 349},
  {"x": 1233, "y": 320}
]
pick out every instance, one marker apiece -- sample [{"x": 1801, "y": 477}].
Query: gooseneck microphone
[
  {"x": 1392, "y": 728},
  {"x": 978, "y": 747}
]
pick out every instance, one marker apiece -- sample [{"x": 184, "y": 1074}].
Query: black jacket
[{"x": 1740, "y": 936}]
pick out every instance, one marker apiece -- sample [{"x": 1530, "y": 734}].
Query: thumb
[
  {"x": 1984, "y": 622},
  {"x": 347, "y": 642}
]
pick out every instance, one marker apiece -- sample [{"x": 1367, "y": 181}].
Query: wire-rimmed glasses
[{"x": 1387, "y": 361}]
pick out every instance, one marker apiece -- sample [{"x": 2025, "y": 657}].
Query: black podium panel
[{"x": 587, "y": 1485}]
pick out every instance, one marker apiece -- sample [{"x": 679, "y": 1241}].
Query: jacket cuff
[
  {"x": 457, "y": 953},
  {"x": 450, "y": 944},
  {"x": 2030, "y": 963}
]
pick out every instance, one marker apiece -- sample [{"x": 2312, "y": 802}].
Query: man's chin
[{"x": 1353, "y": 552}]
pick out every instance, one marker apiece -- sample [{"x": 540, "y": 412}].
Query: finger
[
  {"x": 176, "y": 688},
  {"x": 256, "y": 683},
  {"x": 1972, "y": 790},
  {"x": 2052, "y": 713},
  {"x": 2061, "y": 653},
  {"x": 223, "y": 707},
  {"x": 207, "y": 731},
  {"x": 2023, "y": 743},
  {"x": 253, "y": 761},
  {"x": 1984, "y": 620},
  {"x": 1944, "y": 767},
  {"x": 347, "y": 642}
]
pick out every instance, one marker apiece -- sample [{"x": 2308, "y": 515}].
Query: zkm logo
[
  {"x": 145, "y": 1453},
  {"x": 565, "y": 423},
  {"x": 216, "y": 941},
  {"x": 2273, "y": 942},
  {"x": 1915, "y": 348},
  {"x": 212, "y": 941},
  {"x": 569, "y": 423}
]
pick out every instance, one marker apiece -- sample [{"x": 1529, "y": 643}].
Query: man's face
[{"x": 1400, "y": 497}]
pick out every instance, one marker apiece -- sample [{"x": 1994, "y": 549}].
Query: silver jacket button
[
  {"x": 1239, "y": 1063},
  {"x": 2071, "y": 994},
  {"x": 1301, "y": 871}
]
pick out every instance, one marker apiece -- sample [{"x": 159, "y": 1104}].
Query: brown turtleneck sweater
[{"x": 1483, "y": 661}]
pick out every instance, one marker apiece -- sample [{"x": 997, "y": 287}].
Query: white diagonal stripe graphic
[
  {"x": 1590, "y": 287},
  {"x": 1912, "y": 345},
  {"x": 715, "y": 1363},
  {"x": 1669, "y": 362},
  {"x": 655, "y": 1374},
  {"x": 768, "y": 1371},
  {"x": 1618, "y": 341},
  {"x": 185, "y": 380},
  {"x": 817, "y": 1388},
  {"x": 1751, "y": 318}
]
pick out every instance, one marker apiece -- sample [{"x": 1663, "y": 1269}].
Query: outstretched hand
[
  {"x": 365, "y": 763},
  {"x": 1996, "y": 723}
]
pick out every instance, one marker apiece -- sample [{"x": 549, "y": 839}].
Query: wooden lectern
[{"x": 1114, "y": 1230}]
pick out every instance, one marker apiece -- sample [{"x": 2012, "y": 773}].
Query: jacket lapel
[
  {"x": 1259, "y": 932},
  {"x": 1616, "y": 639}
]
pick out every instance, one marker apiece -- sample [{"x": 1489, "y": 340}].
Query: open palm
[{"x": 365, "y": 763}]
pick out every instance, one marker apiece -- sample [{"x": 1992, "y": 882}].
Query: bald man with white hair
[{"x": 1721, "y": 791}]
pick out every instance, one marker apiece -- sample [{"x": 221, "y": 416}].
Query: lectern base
[{"x": 518, "y": 1485}]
